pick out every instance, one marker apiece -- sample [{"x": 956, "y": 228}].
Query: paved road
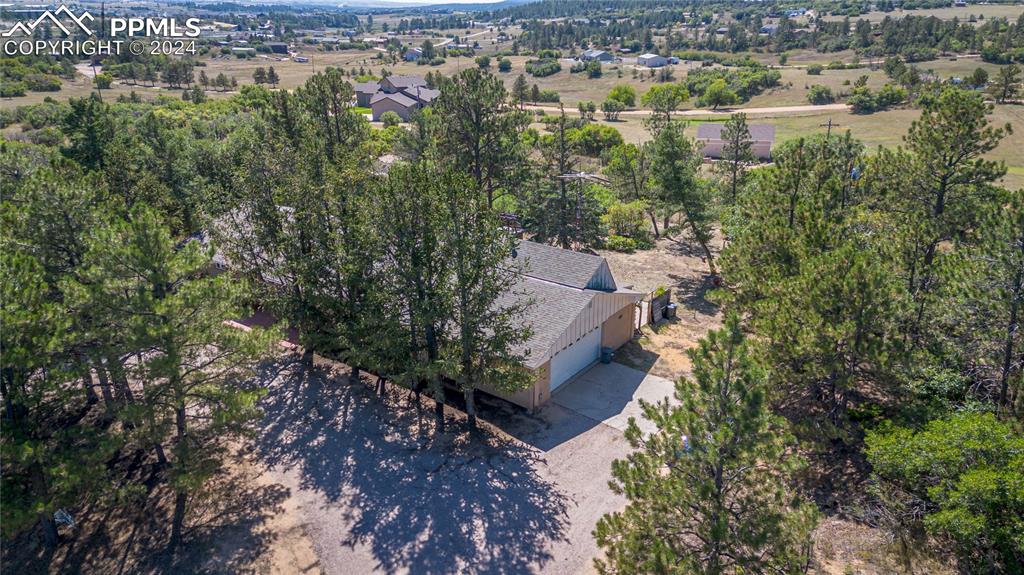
[{"x": 374, "y": 496}]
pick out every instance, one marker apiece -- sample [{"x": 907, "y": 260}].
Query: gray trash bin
[
  {"x": 670, "y": 310},
  {"x": 606, "y": 354}
]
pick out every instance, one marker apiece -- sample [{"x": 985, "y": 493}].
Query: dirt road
[{"x": 773, "y": 110}]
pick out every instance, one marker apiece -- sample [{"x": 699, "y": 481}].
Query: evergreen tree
[
  {"x": 675, "y": 163},
  {"x": 708, "y": 489},
  {"x": 193, "y": 366},
  {"x": 736, "y": 154},
  {"x": 480, "y": 131}
]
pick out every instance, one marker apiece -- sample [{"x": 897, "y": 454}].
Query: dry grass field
[{"x": 1009, "y": 11}]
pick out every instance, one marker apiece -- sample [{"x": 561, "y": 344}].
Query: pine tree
[
  {"x": 194, "y": 363},
  {"x": 675, "y": 163},
  {"x": 520, "y": 91},
  {"x": 272, "y": 77},
  {"x": 480, "y": 132},
  {"x": 488, "y": 324},
  {"x": 736, "y": 154},
  {"x": 259, "y": 76},
  {"x": 708, "y": 489}
]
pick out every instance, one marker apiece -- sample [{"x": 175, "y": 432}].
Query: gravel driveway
[{"x": 377, "y": 492}]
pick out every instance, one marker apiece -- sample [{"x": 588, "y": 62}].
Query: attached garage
[{"x": 578, "y": 355}]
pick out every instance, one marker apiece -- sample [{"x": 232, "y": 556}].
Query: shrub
[
  {"x": 966, "y": 473},
  {"x": 48, "y": 136},
  {"x": 594, "y": 69},
  {"x": 890, "y": 95},
  {"x": 612, "y": 109},
  {"x": 594, "y": 139},
  {"x": 863, "y": 101},
  {"x": 504, "y": 65},
  {"x": 620, "y": 244},
  {"x": 42, "y": 83},
  {"x": 815, "y": 69},
  {"x": 436, "y": 61},
  {"x": 483, "y": 61},
  {"x": 627, "y": 220},
  {"x": 819, "y": 95},
  {"x": 103, "y": 81},
  {"x": 9, "y": 89},
  {"x": 745, "y": 82},
  {"x": 623, "y": 93},
  {"x": 390, "y": 118},
  {"x": 542, "y": 68},
  {"x": 548, "y": 96}
]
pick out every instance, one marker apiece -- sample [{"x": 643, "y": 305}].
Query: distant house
[
  {"x": 710, "y": 137},
  {"x": 393, "y": 84},
  {"x": 596, "y": 55},
  {"x": 413, "y": 54},
  {"x": 364, "y": 92},
  {"x": 243, "y": 51},
  {"x": 278, "y": 47},
  {"x": 769, "y": 29},
  {"x": 399, "y": 94},
  {"x": 652, "y": 60},
  {"x": 383, "y": 102}
]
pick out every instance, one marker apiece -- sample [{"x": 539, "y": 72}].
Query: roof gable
[
  {"x": 397, "y": 98},
  {"x": 566, "y": 267}
]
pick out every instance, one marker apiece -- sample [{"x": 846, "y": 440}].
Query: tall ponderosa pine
[
  {"x": 675, "y": 164},
  {"x": 191, "y": 364},
  {"x": 737, "y": 153},
  {"x": 488, "y": 326},
  {"x": 480, "y": 134},
  {"x": 708, "y": 489}
]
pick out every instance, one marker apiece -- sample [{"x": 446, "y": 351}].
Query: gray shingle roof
[
  {"x": 421, "y": 93},
  {"x": 367, "y": 87},
  {"x": 554, "y": 308},
  {"x": 400, "y": 82},
  {"x": 758, "y": 132},
  {"x": 397, "y": 97},
  {"x": 566, "y": 267}
]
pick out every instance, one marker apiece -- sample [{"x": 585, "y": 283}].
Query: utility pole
[{"x": 828, "y": 133}]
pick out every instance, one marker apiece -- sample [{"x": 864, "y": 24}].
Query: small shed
[{"x": 762, "y": 136}]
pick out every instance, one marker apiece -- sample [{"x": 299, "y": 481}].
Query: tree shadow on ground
[
  {"x": 454, "y": 503},
  {"x": 225, "y": 529},
  {"x": 692, "y": 293}
]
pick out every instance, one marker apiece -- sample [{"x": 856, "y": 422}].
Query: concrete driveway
[{"x": 610, "y": 394}]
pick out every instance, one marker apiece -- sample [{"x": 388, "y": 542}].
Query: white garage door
[{"x": 572, "y": 359}]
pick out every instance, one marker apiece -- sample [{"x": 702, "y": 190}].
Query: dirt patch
[
  {"x": 240, "y": 522},
  {"x": 660, "y": 348},
  {"x": 843, "y": 547}
]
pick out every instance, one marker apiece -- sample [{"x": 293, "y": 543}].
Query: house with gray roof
[
  {"x": 399, "y": 94},
  {"x": 577, "y": 310},
  {"x": 596, "y": 55}
]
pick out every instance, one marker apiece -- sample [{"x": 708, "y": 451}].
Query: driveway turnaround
[{"x": 610, "y": 394}]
